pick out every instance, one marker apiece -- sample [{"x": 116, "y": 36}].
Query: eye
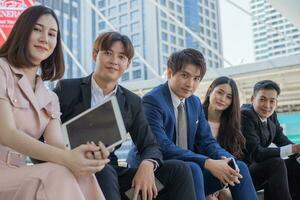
[
  {"x": 52, "y": 34},
  {"x": 122, "y": 57},
  {"x": 108, "y": 53},
  {"x": 37, "y": 29},
  {"x": 184, "y": 75},
  {"x": 229, "y": 97},
  {"x": 197, "y": 79}
]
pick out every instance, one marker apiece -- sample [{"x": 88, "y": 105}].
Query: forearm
[{"x": 32, "y": 147}]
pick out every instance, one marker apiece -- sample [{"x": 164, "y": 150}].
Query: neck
[
  {"x": 106, "y": 86},
  {"x": 30, "y": 73},
  {"x": 214, "y": 115}
]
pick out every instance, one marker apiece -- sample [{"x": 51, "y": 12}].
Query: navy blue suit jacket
[{"x": 159, "y": 111}]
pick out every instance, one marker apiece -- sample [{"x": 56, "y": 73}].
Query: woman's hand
[{"x": 80, "y": 164}]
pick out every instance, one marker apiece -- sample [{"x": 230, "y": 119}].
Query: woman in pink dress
[
  {"x": 28, "y": 110},
  {"x": 222, "y": 110}
]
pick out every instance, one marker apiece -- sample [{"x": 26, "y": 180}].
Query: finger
[
  {"x": 136, "y": 192},
  {"x": 144, "y": 193},
  {"x": 97, "y": 155},
  {"x": 103, "y": 149},
  {"x": 88, "y": 147},
  {"x": 89, "y": 155},
  {"x": 154, "y": 190},
  {"x": 95, "y": 163},
  {"x": 150, "y": 193}
]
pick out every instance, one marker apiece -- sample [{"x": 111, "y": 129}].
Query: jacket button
[
  {"x": 15, "y": 100},
  {"x": 53, "y": 115}
]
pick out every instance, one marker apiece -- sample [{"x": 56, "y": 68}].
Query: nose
[
  {"x": 114, "y": 59},
  {"x": 44, "y": 37},
  {"x": 189, "y": 82}
]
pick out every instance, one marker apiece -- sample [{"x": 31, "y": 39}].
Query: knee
[
  {"x": 108, "y": 173},
  {"x": 196, "y": 170},
  {"x": 277, "y": 164},
  {"x": 178, "y": 166}
]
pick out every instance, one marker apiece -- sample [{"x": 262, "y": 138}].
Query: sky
[{"x": 236, "y": 32}]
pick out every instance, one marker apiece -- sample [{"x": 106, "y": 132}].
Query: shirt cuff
[
  {"x": 286, "y": 151},
  {"x": 155, "y": 163}
]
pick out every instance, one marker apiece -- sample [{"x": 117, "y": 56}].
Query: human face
[
  {"x": 43, "y": 39},
  {"x": 265, "y": 102},
  {"x": 184, "y": 82},
  {"x": 111, "y": 63},
  {"x": 221, "y": 97}
]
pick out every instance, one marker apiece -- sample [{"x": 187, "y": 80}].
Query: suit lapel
[
  {"x": 190, "y": 120},
  {"x": 272, "y": 129},
  {"x": 168, "y": 99},
  {"x": 85, "y": 88}
]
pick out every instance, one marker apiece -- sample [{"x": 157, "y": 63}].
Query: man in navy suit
[{"x": 208, "y": 161}]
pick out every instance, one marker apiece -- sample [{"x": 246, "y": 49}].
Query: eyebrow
[
  {"x": 225, "y": 92},
  {"x": 52, "y": 29},
  {"x": 198, "y": 76}
]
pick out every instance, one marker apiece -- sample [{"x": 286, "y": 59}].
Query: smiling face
[
  {"x": 43, "y": 39},
  {"x": 265, "y": 102},
  {"x": 221, "y": 97},
  {"x": 111, "y": 63},
  {"x": 184, "y": 82}
]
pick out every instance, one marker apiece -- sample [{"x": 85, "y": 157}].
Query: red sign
[{"x": 10, "y": 10}]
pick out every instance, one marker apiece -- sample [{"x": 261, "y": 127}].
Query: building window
[
  {"x": 171, "y": 5},
  {"x": 163, "y": 2},
  {"x": 173, "y": 39},
  {"x": 180, "y": 31},
  {"x": 101, "y": 26},
  {"x": 101, "y": 4},
  {"x": 164, "y": 24},
  {"x": 123, "y": 19},
  {"x": 165, "y": 48},
  {"x": 134, "y": 15},
  {"x": 180, "y": 41},
  {"x": 165, "y": 60},
  {"x": 162, "y": 14},
  {"x": 172, "y": 28},
  {"x": 112, "y": 11},
  {"x": 164, "y": 36},
  {"x": 135, "y": 27},
  {"x": 179, "y": 9},
  {"x": 123, "y": 7},
  {"x": 136, "y": 74},
  {"x": 125, "y": 76},
  {"x": 136, "y": 63},
  {"x": 133, "y": 3},
  {"x": 124, "y": 30},
  {"x": 135, "y": 38}
]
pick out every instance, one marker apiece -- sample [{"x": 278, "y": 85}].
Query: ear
[
  {"x": 94, "y": 55},
  {"x": 169, "y": 73},
  {"x": 252, "y": 98}
]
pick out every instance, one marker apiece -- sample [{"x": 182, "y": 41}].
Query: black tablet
[{"x": 102, "y": 123}]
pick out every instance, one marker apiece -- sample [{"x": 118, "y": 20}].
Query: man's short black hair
[
  {"x": 180, "y": 59},
  {"x": 266, "y": 85}
]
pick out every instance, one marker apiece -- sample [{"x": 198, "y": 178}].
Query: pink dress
[{"x": 32, "y": 112}]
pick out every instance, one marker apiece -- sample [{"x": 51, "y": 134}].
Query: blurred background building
[{"x": 273, "y": 34}]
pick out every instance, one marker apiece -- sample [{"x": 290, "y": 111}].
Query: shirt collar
[
  {"x": 97, "y": 89},
  {"x": 175, "y": 99}
]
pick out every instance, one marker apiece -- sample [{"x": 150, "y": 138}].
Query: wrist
[
  {"x": 207, "y": 163},
  {"x": 148, "y": 163}
]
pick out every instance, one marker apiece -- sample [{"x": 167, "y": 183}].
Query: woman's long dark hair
[{"x": 229, "y": 134}]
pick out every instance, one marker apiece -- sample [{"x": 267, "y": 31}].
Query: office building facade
[{"x": 269, "y": 43}]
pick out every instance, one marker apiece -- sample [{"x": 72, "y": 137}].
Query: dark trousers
[
  {"x": 173, "y": 174},
  {"x": 278, "y": 178}
]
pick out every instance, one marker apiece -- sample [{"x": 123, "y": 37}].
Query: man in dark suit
[
  {"x": 279, "y": 177},
  {"x": 196, "y": 146},
  {"x": 112, "y": 54}
]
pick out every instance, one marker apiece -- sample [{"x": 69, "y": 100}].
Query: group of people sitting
[{"x": 186, "y": 145}]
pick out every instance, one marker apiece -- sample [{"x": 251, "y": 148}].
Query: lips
[{"x": 41, "y": 48}]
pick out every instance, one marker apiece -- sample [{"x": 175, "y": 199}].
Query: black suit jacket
[
  {"x": 256, "y": 141},
  {"x": 75, "y": 97}
]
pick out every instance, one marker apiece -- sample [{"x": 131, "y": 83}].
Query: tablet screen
[{"x": 99, "y": 124}]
